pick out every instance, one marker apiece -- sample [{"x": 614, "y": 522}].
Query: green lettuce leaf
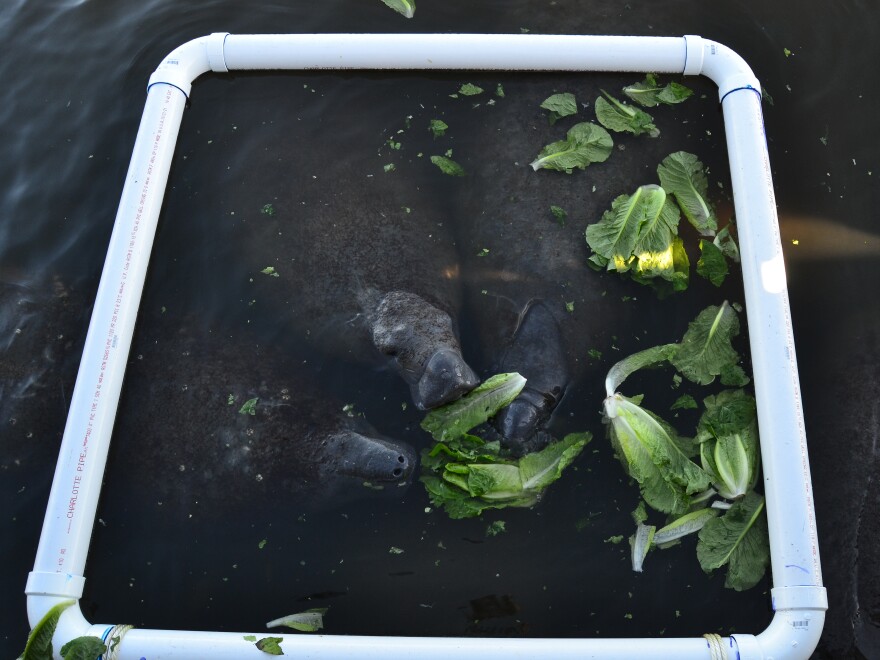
[
  {"x": 687, "y": 524},
  {"x": 640, "y": 543},
  {"x": 39, "y": 641},
  {"x": 584, "y": 143},
  {"x": 651, "y": 454},
  {"x": 712, "y": 264},
  {"x": 739, "y": 540},
  {"x": 706, "y": 346},
  {"x": 438, "y": 127},
  {"x": 87, "y": 647},
  {"x": 559, "y": 105},
  {"x": 649, "y": 93},
  {"x": 457, "y": 418},
  {"x": 623, "y": 118},
  {"x": 650, "y": 357},
  {"x": 448, "y": 166},
  {"x": 681, "y": 174},
  {"x": 309, "y": 621},
  {"x": 270, "y": 645},
  {"x": 405, "y": 7},
  {"x": 728, "y": 437}
]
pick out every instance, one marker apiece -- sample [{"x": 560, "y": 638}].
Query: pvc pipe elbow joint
[
  {"x": 190, "y": 60},
  {"x": 720, "y": 64}
]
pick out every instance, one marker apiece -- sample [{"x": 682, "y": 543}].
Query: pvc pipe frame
[{"x": 798, "y": 597}]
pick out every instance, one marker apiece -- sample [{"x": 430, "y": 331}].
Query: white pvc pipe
[{"x": 798, "y": 595}]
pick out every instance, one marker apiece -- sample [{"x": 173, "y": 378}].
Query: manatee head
[
  {"x": 421, "y": 342},
  {"x": 368, "y": 458},
  {"x": 536, "y": 352}
]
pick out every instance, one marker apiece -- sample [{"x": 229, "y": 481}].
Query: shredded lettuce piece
[
  {"x": 311, "y": 620},
  {"x": 640, "y": 543},
  {"x": 682, "y": 175},
  {"x": 448, "y": 166},
  {"x": 87, "y": 647},
  {"x": 687, "y": 524},
  {"x": 270, "y": 645},
  {"x": 559, "y": 105},
  {"x": 585, "y": 143},
  {"x": 623, "y": 118}
]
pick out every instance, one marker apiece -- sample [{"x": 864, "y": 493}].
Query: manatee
[
  {"x": 352, "y": 255},
  {"x": 227, "y": 424},
  {"x": 537, "y": 306}
]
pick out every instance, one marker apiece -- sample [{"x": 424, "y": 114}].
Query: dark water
[{"x": 74, "y": 81}]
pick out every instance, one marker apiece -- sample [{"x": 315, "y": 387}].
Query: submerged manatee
[
  {"x": 365, "y": 265},
  {"x": 538, "y": 308},
  {"x": 227, "y": 424}
]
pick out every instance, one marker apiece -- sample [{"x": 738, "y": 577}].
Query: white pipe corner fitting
[
  {"x": 71, "y": 624},
  {"x": 190, "y": 60},
  {"x": 720, "y": 64}
]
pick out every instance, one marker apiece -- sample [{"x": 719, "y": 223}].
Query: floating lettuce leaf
[
  {"x": 650, "y": 357},
  {"x": 453, "y": 420},
  {"x": 469, "y": 89},
  {"x": 623, "y": 118},
  {"x": 39, "y": 641},
  {"x": 681, "y": 174},
  {"x": 584, "y": 143},
  {"x": 87, "y": 647},
  {"x": 712, "y": 264},
  {"x": 649, "y": 92},
  {"x": 728, "y": 437},
  {"x": 738, "y": 539},
  {"x": 705, "y": 348},
  {"x": 465, "y": 490},
  {"x": 640, "y": 543},
  {"x": 733, "y": 375},
  {"x": 309, "y": 621},
  {"x": 448, "y": 166},
  {"x": 688, "y": 524},
  {"x": 638, "y": 235},
  {"x": 438, "y": 127},
  {"x": 651, "y": 454},
  {"x": 725, "y": 242},
  {"x": 405, "y": 7},
  {"x": 560, "y": 105},
  {"x": 684, "y": 402}
]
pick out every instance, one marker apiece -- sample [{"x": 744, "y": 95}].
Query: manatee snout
[
  {"x": 421, "y": 341},
  {"x": 521, "y": 423},
  {"x": 375, "y": 459},
  {"x": 445, "y": 378}
]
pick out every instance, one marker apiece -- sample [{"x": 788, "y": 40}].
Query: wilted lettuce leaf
[
  {"x": 560, "y": 105},
  {"x": 39, "y": 641},
  {"x": 728, "y": 437},
  {"x": 270, "y": 645},
  {"x": 405, "y": 7},
  {"x": 738, "y": 539},
  {"x": 623, "y": 118},
  {"x": 311, "y": 620},
  {"x": 649, "y": 92},
  {"x": 584, "y": 143},
  {"x": 725, "y": 242},
  {"x": 457, "y": 418},
  {"x": 438, "y": 127},
  {"x": 87, "y": 647},
  {"x": 712, "y": 264},
  {"x": 681, "y": 174},
  {"x": 650, "y": 453},
  {"x": 705, "y": 348}
]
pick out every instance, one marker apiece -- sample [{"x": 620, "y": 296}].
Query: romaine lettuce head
[
  {"x": 651, "y": 454},
  {"x": 728, "y": 437}
]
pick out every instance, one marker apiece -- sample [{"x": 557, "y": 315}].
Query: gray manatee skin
[
  {"x": 181, "y": 434},
  {"x": 366, "y": 262},
  {"x": 538, "y": 307}
]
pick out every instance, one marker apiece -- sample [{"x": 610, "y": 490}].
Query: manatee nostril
[
  {"x": 397, "y": 472},
  {"x": 401, "y": 459}
]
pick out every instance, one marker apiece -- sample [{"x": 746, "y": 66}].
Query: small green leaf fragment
[
  {"x": 267, "y": 209},
  {"x": 639, "y": 514},
  {"x": 262, "y": 544},
  {"x": 406, "y": 8},
  {"x": 394, "y": 550},
  {"x": 448, "y": 166},
  {"x": 712, "y": 265},
  {"x": 569, "y": 307},
  {"x": 684, "y": 402},
  {"x": 496, "y": 527},
  {"x": 499, "y": 91},
  {"x": 559, "y": 214},
  {"x": 787, "y": 52},
  {"x": 438, "y": 127},
  {"x": 249, "y": 407},
  {"x": 250, "y": 638},
  {"x": 614, "y": 540},
  {"x": 271, "y": 645},
  {"x": 470, "y": 90},
  {"x": 390, "y": 167},
  {"x": 560, "y": 105},
  {"x": 269, "y": 270}
]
